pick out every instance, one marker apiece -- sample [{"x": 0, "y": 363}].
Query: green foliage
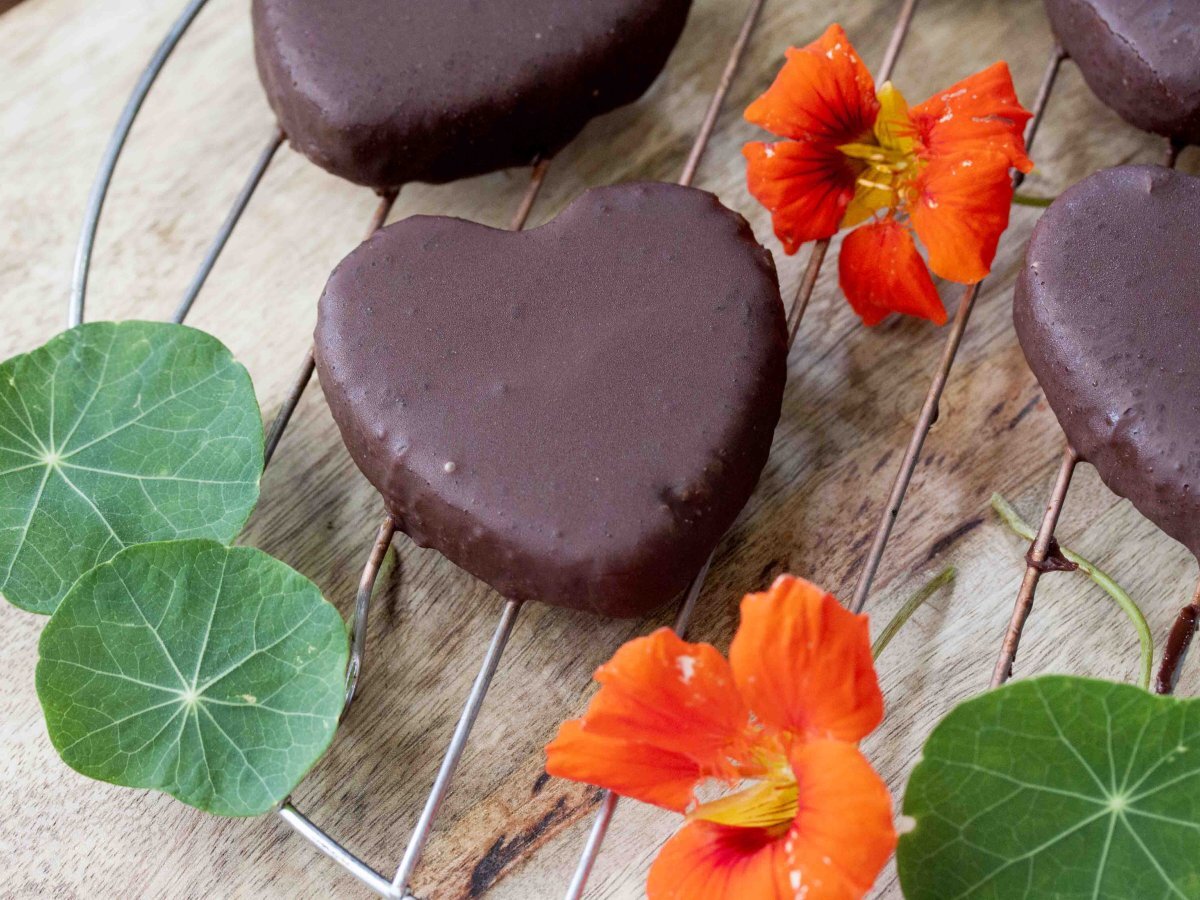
[
  {"x": 119, "y": 434},
  {"x": 1057, "y": 787},
  {"x": 214, "y": 674}
]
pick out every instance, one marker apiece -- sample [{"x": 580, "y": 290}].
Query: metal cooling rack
[{"x": 397, "y": 887}]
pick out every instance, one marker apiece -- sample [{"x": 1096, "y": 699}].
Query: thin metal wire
[
  {"x": 335, "y": 851},
  {"x": 491, "y": 660},
  {"x": 536, "y": 179},
  {"x": 1034, "y": 569},
  {"x": 1028, "y": 590},
  {"x": 366, "y": 588},
  {"x": 812, "y": 271},
  {"x": 284, "y": 417},
  {"x": 387, "y": 199},
  {"x": 362, "y": 607},
  {"x": 816, "y": 257},
  {"x": 108, "y": 163},
  {"x": 231, "y": 220},
  {"x": 700, "y": 145},
  {"x": 896, "y": 43},
  {"x": 1178, "y": 645},
  {"x": 929, "y": 411},
  {"x": 421, "y": 835},
  {"x": 608, "y": 805}
]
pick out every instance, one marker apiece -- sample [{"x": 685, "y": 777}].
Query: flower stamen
[{"x": 770, "y": 804}]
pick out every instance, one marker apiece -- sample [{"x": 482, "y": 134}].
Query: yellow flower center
[
  {"x": 889, "y": 164},
  {"x": 769, "y": 802}
]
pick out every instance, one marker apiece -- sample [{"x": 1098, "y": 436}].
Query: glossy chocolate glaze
[
  {"x": 574, "y": 414},
  {"x": 1141, "y": 57},
  {"x": 383, "y": 92},
  {"x": 1107, "y": 308}
]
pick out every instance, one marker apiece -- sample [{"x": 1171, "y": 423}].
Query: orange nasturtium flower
[
  {"x": 853, "y": 154},
  {"x": 784, "y": 713}
]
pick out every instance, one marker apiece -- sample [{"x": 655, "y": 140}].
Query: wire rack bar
[
  {"x": 362, "y": 606},
  {"x": 288, "y": 408},
  {"x": 383, "y": 539},
  {"x": 449, "y": 763},
  {"x": 283, "y": 418},
  {"x": 231, "y": 220},
  {"x": 713, "y": 112},
  {"x": 816, "y": 257},
  {"x": 458, "y": 743},
  {"x": 1180, "y": 639},
  {"x": 609, "y": 801},
  {"x": 1178, "y": 644},
  {"x": 108, "y": 163},
  {"x": 929, "y": 411},
  {"x": 387, "y": 530},
  {"x": 1035, "y": 567},
  {"x": 335, "y": 851}
]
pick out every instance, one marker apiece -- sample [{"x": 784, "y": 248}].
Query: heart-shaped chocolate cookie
[
  {"x": 1107, "y": 308},
  {"x": 1141, "y": 57},
  {"x": 384, "y": 92},
  {"x": 574, "y": 414}
]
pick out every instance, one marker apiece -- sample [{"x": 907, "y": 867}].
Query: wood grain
[{"x": 506, "y": 830}]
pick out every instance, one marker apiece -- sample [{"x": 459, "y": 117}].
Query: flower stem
[
  {"x": 1030, "y": 200},
  {"x": 1014, "y": 521},
  {"x": 911, "y": 605}
]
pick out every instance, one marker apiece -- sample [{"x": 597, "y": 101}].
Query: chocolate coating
[
  {"x": 1141, "y": 57},
  {"x": 574, "y": 414},
  {"x": 382, "y": 92},
  {"x": 1107, "y": 308}
]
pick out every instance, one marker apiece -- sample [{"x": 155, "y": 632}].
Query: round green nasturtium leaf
[
  {"x": 213, "y": 673},
  {"x": 115, "y": 434},
  {"x": 1057, "y": 787}
]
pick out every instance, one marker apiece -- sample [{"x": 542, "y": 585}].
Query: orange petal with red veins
[
  {"x": 803, "y": 663},
  {"x": 806, "y": 188},
  {"x": 662, "y": 701},
  {"x": 706, "y": 861},
  {"x": 960, "y": 210},
  {"x": 834, "y": 849},
  {"x": 843, "y": 834},
  {"x": 980, "y": 113},
  {"x": 823, "y": 94},
  {"x": 662, "y": 690},
  {"x": 641, "y": 771},
  {"x": 881, "y": 272}
]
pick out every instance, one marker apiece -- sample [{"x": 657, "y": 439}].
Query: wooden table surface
[{"x": 66, "y": 67}]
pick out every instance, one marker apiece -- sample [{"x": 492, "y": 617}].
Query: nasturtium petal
[
  {"x": 1057, "y": 787},
  {"x": 214, "y": 674},
  {"x": 115, "y": 434}
]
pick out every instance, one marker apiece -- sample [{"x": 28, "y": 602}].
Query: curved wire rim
[{"x": 112, "y": 153}]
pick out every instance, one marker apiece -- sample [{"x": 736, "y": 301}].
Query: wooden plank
[{"x": 506, "y": 831}]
